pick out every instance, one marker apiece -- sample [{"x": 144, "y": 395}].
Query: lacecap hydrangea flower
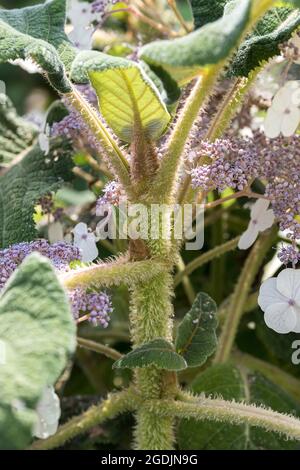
[
  {"x": 279, "y": 298},
  {"x": 261, "y": 219},
  {"x": 283, "y": 116}
]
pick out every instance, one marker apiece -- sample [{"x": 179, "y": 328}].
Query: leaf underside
[
  {"x": 37, "y": 33},
  {"x": 128, "y": 99}
]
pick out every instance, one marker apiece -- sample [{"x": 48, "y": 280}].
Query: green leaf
[
  {"x": 128, "y": 99},
  {"x": 228, "y": 382},
  {"x": 16, "y": 134},
  {"x": 22, "y": 35},
  {"x": 185, "y": 9},
  {"x": 196, "y": 336},
  {"x": 38, "y": 334},
  {"x": 273, "y": 29},
  {"x": 207, "y": 11},
  {"x": 24, "y": 184},
  {"x": 183, "y": 57},
  {"x": 157, "y": 352},
  {"x": 276, "y": 27}
]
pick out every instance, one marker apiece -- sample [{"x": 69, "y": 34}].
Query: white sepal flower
[
  {"x": 261, "y": 219},
  {"x": 86, "y": 242},
  {"x": 48, "y": 410},
  {"x": 283, "y": 116},
  {"x": 80, "y": 13},
  {"x": 279, "y": 298}
]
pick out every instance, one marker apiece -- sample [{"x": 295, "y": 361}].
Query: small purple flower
[{"x": 96, "y": 305}]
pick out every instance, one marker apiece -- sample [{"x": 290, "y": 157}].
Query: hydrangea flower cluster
[
  {"x": 97, "y": 306},
  {"x": 60, "y": 254},
  {"x": 231, "y": 164},
  {"x": 235, "y": 163}
]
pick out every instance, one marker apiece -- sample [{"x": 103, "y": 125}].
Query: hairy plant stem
[
  {"x": 150, "y": 318},
  {"x": 115, "y": 404},
  {"x": 229, "y": 412},
  {"x": 239, "y": 297},
  {"x": 151, "y": 313},
  {"x": 117, "y": 272},
  {"x": 116, "y": 159}
]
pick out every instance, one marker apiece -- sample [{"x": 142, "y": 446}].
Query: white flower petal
[
  {"x": 266, "y": 221},
  {"x": 248, "y": 237},
  {"x": 272, "y": 123},
  {"x": 80, "y": 229},
  {"x": 48, "y": 410},
  {"x": 290, "y": 122},
  {"x": 282, "y": 98},
  {"x": 268, "y": 294},
  {"x": 259, "y": 208},
  {"x": 89, "y": 250},
  {"x": 281, "y": 318},
  {"x": 288, "y": 284}
]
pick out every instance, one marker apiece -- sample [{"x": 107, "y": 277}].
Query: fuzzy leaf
[
  {"x": 128, "y": 99},
  {"x": 157, "y": 352},
  {"x": 228, "y": 382},
  {"x": 183, "y": 57},
  {"x": 22, "y": 36},
  {"x": 24, "y": 184},
  {"x": 38, "y": 333},
  {"x": 272, "y": 30},
  {"x": 206, "y": 11},
  {"x": 16, "y": 134},
  {"x": 196, "y": 336}
]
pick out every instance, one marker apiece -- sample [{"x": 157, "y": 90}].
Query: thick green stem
[
  {"x": 116, "y": 159},
  {"x": 151, "y": 317},
  {"x": 238, "y": 300},
  {"x": 228, "y": 412},
  {"x": 118, "y": 272},
  {"x": 108, "y": 409}
]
